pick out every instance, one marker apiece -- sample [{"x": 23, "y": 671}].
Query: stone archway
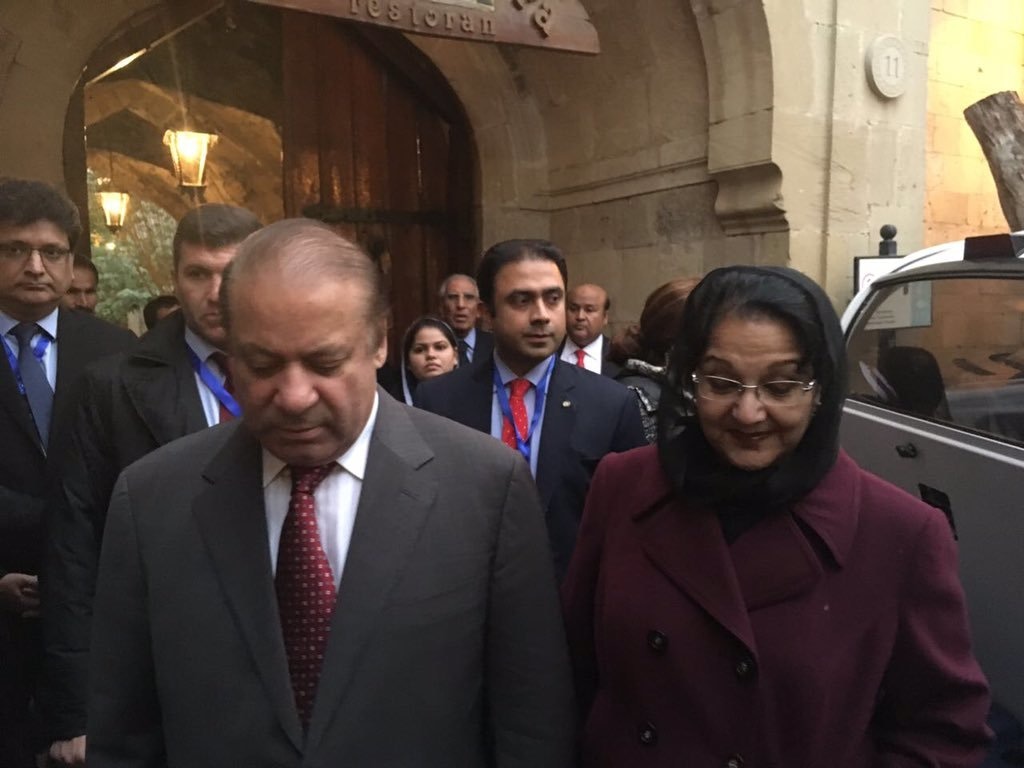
[{"x": 741, "y": 100}]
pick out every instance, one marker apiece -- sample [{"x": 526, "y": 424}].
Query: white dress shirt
[
  {"x": 530, "y": 399},
  {"x": 592, "y": 353},
  {"x": 337, "y": 498},
  {"x": 203, "y": 350},
  {"x": 48, "y": 324},
  {"x": 470, "y": 340}
]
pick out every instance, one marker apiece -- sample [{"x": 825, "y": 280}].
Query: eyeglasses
[
  {"x": 23, "y": 251},
  {"x": 783, "y": 393}
]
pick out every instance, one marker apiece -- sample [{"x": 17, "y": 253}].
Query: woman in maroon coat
[{"x": 742, "y": 593}]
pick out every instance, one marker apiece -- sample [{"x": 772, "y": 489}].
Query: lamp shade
[
  {"x": 115, "y": 209},
  {"x": 188, "y": 153}
]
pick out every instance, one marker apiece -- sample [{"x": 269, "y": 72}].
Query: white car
[{"x": 936, "y": 405}]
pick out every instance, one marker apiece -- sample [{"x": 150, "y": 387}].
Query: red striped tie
[{"x": 305, "y": 588}]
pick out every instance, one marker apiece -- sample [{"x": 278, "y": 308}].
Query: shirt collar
[
  {"x": 199, "y": 345},
  {"x": 534, "y": 375},
  {"x": 48, "y": 323},
  {"x": 593, "y": 349},
  {"x": 470, "y": 338},
  {"x": 352, "y": 461}
]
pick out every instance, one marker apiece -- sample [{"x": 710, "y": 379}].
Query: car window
[{"x": 949, "y": 349}]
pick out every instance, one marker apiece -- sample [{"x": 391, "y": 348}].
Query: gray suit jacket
[{"x": 446, "y": 647}]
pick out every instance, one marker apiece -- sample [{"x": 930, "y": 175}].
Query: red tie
[
  {"x": 305, "y": 588},
  {"x": 222, "y": 362},
  {"x": 580, "y": 355},
  {"x": 518, "y": 388}
]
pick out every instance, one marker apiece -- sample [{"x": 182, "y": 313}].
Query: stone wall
[
  {"x": 851, "y": 160},
  {"x": 628, "y": 190},
  {"x": 977, "y": 48}
]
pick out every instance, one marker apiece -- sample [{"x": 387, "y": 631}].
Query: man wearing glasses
[{"x": 46, "y": 349}]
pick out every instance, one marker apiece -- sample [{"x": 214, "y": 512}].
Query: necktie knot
[
  {"x": 306, "y": 479},
  {"x": 24, "y": 332},
  {"x": 580, "y": 357},
  {"x": 519, "y": 387}
]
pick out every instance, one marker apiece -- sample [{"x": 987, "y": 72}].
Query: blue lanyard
[
  {"x": 214, "y": 384},
  {"x": 523, "y": 441},
  {"x": 38, "y": 351}
]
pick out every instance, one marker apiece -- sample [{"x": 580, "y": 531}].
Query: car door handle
[{"x": 907, "y": 451}]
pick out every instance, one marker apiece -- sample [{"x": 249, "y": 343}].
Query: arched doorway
[
  {"x": 377, "y": 145},
  {"x": 316, "y": 117}
]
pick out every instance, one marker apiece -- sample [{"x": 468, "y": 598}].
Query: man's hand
[
  {"x": 70, "y": 752},
  {"x": 19, "y": 593}
]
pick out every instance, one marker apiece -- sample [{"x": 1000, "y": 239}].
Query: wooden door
[{"x": 377, "y": 145}]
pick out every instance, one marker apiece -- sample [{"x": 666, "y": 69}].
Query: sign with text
[{"x": 556, "y": 24}]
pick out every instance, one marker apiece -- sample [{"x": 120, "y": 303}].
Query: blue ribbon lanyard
[
  {"x": 214, "y": 384},
  {"x": 523, "y": 441},
  {"x": 39, "y": 351}
]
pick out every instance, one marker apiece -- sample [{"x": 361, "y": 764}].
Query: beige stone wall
[
  {"x": 851, "y": 161},
  {"x": 627, "y": 185},
  {"x": 706, "y": 132},
  {"x": 51, "y": 43},
  {"x": 977, "y": 48}
]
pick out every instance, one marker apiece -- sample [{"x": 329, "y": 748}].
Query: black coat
[
  {"x": 585, "y": 417},
  {"x": 130, "y": 405},
  {"x": 25, "y": 470},
  {"x": 27, "y": 475}
]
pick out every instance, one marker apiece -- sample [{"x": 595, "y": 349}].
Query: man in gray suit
[{"x": 335, "y": 580}]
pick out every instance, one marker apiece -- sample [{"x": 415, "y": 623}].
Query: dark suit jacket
[
  {"x": 130, "y": 404},
  {"x": 833, "y": 636},
  {"x": 27, "y": 475},
  {"x": 484, "y": 347},
  {"x": 446, "y": 646},
  {"x": 25, "y": 472},
  {"x": 585, "y": 417}
]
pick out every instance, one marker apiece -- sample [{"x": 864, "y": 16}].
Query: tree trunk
[{"x": 998, "y": 123}]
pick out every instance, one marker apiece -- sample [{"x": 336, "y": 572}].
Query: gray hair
[
  {"x": 443, "y": 290},
  {"x": 308, "y": 251}
]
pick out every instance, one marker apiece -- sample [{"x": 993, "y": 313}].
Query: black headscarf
[{"x": 695, "y": 468}]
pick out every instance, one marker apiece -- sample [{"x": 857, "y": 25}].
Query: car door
[{"x": 936, "y": 406}]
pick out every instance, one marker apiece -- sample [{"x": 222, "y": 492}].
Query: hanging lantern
[
  {"x": 115, "y": 209},
  {"x": 188, "y": 153}
]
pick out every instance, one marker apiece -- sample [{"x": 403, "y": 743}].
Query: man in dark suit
[
  {"x": 586, "y": 315},
  {"x": 46, "y": 349},
  {"x": 561, "y": 419},
  {"x": 336, "y": 580},
  {"x": 170, "y": 385},
  {"x": 85, "y": 281},
  {"x": 460, "y": 308}
]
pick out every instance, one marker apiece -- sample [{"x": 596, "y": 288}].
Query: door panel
[
  {"x": 984, "y": 480},
  {"x": 937, "y": 407},
  {"x": 368, "y": 148}
]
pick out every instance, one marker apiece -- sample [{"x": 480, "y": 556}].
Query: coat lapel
[
  {"x": 775, "y": 562},
  {"x": 232, "y": 521},
  {"x": 15, "y": 404},
  {"x": 397, "y": 495},
  {"x": 476, "y": 407},
  {"x": 687, "y": 545},
  {"x": 556, "y": 436},
  {"x": 160, "y": 383}
]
